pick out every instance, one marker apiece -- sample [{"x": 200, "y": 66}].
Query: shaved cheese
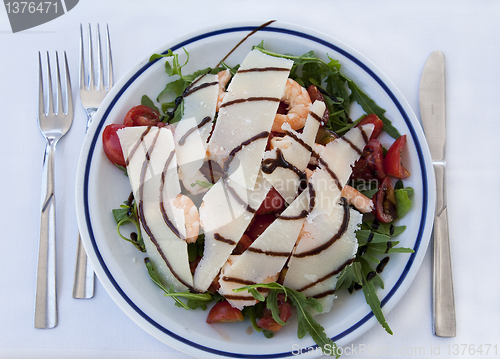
[
  {"x": 264, "y": 259},
  {"x": 343, "y": 152},
  {"x": 328, "y": 241},
  {"x": 295, "y": 149},
  {"x": 225, "y": 213},
  {"x": 193, "y": 130},
  {"x": 166, "y": 250},
  {"x": 247, "y": 114},
  {"x": 316, "y": 264}
]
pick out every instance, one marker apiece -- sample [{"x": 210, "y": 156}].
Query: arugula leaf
[
  {"x": 369, "y": 106},
  {"x": 403, "y": 200},
  {"x": 195, "y": 300},
  {"x": 146, "y": 101},
  {"x": 363, "y": 269},
  {"x": 195, "y": 249},
  {"x": 202, "y": 184},
  {"x": 177, "y": 86},
  {"x": 388, "y": 229},
  {"x": 347, "y": 278},
  {"x": 127, "y": 213},
  {"x": 306, "y": 322},
  {"x": 253, "y": 312},
  {"x": 314, "y": 71}
]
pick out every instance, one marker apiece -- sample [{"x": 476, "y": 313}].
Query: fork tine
[
  {"x": 51, "y": 103},
  {"x": 100, "y": 72},
  {"x": 41, "y": 107},
  {"x": 69, "y": 92},
  {"x": 110, "y": 59},
  {"x": 60, "y": 108},
  {"x": 91, "y": 62},
  {"x": 82, "y": 60}
]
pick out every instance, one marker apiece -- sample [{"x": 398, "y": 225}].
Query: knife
[{"x": 433, "y": 113}]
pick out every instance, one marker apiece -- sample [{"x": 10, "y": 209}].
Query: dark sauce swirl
[
  {"x": 140, "y": 208},
  {"x": 182, "y": 140},
  {"x": 342, "y": 229}
]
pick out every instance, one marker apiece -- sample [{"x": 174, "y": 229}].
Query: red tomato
[
  {"x": 223, "y": 312},
  {"x": 385, "y": 202},
  {"x": 371, "y": 163},
  {"x": 392, "y": 161},
  {"x": 259, "y": 225},
  {"x": 141, "y": 116},
  {"x": 111, "y": 144},
  {"x": 243, "y": 244},
  {"x": 377, "y": 122},
  {"x": 316, "y": 95},
  {"x": 272, "y": 203},
  {"x": 268, "y": 323}
]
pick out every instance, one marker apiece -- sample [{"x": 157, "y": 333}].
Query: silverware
[
  {"x": 92, "y": 92},
  {"x": 433, "y": 113},
  {"x": 54, "y": 123}
]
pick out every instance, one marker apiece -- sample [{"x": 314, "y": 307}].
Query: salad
[{"x": 254, "y": 192}]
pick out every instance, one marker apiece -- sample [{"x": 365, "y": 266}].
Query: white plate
[{"x": 119, "y": 266}]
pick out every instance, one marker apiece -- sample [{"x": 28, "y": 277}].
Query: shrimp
[
  {"x": 223, "y": 77},
  {"x": 357, "y": 199},
  {"x": 298, "y": 101},
  {"x": 191, "y": 216}
]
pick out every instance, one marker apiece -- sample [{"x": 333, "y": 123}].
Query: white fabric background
[{"x": 397, "y": 36}]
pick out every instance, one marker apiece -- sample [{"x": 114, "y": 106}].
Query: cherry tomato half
[
  {"x": 392, "y": 161},
  {"x": 243, "y": 244},
  {"x": 223, "y": 312},
  {"x": 259, "y": 225},
  {"x": 385, "y": 202},
  {"x": 316, "y": 95},
  {"x": 371, "y": 163},
  {"x": 111, "y": 144},
  {"x": 268, "y": 323},
  {"x": 272, "y": 203},
  {"x": 377, "y": 122},
  {"x": 141, "y": 116}
]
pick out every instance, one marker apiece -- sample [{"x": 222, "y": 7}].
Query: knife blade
[{"x": 432, "y": 100}]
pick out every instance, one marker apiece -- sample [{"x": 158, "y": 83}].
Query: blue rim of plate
[{"x": 296, "y": 34}]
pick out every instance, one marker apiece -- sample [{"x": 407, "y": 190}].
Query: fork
[
  {"x": 92, "y": 93},
  {"x": 53, "y": 125}
]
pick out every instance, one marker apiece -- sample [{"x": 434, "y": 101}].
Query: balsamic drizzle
[
  {"x": 136, "y": 146},
  {"x": 190, "y": 89},
  {"x": 167, "y": 221},
  {"x": 219, "y": 238},
  {"x": 329, "y": 275},
  {"x": 140, "y": 205},
  {"x": 270, "y": 164},
  {"x": 335, "y": 237},
  {"x": 250, "y": 99},
  {"x": 206, "y": 120}
]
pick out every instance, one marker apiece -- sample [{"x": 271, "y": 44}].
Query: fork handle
[
  {"x": 90, "y": 115},
  {"x": 45, "y": 297},
  {"x": 83, "y": 283}
]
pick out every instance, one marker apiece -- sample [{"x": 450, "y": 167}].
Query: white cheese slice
[
  {"x": 192, "y": 131},
  {"x": 191, "y": 152},
  {"x": 343, "y": 152},
  {"x": 320, "y": 255},
  {"x": 295, "y": 149},
  {"x": 247, "y": 114},
  {"x": 264, "y": 259},
  {"x": 154, "y": 182},
  {"x": 225, "y": 214}
]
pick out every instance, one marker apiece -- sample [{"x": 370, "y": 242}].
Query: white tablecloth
[{"x": 397, "y": 36}]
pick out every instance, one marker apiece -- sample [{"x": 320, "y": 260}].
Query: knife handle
[{"x": 444, "y": 301}]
